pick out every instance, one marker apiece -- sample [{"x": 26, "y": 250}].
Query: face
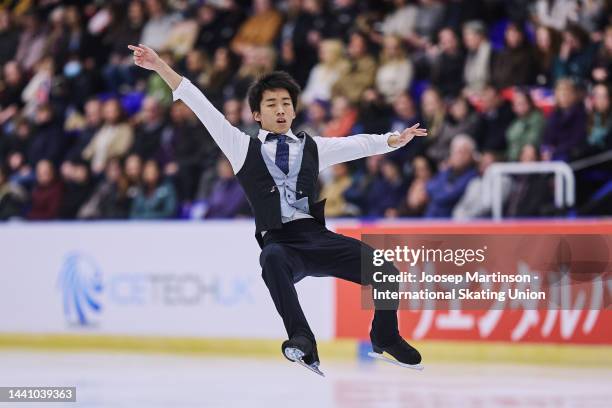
[
  {"x": 520, "y": 104},
  {"x": 459, "y": 109},
  {"x": 565, "y": 95},
  {"x": 93, "y": 110},
  {"x": 113, "y": 170},
  {"x": 150, "y": 109},
  {"x": 471, "y": 39},
  {"x": 276, "y": 111},
  {"x": 601, "y": 98},
  {"x": 543, "y": 38},
  {"x": 403, "y": 106},
  {"x": 232, "y": 110},
  {"x": 431, "y": 102},
  {"x": 528, "y": 154},
  {"x": 460, "y": 155},
  {"x": 421, "y": 168},
  {"x": 44, "y": 172},
  {"x": 150, "y": 173},
  {"x": 514, "y": 37},
  {"x": 447, "y": 40},
  {"x": 392, "y": 46},
  {"x": 489, "y": 98},
  {"x": 133, "y": 165},
  {"x": 316, "y": 112},
  {"x": 112, "y": 111},
  {"x": 485, "y": 161},
  {"x": 357, "y": 46},
  {"x": 224, "y": 169}
]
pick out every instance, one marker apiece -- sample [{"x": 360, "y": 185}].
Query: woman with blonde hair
[
  {"x": 395, "y": 71},
  {"x": 325, "y": 74}
]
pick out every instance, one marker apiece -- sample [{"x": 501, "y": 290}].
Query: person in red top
[{"x": 47, "y": 194}]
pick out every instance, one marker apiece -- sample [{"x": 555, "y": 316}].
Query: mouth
[{"x": 281, "y": 120}]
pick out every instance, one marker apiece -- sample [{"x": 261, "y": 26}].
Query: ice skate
[
  {"x": 301, "y": 350},
  {"x": 401, "y": 353}
]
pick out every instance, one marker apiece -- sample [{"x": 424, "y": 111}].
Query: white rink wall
[{"x": 181, "y": 279}]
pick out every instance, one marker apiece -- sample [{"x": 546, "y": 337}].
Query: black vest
[{"x": 263, "y": 195}]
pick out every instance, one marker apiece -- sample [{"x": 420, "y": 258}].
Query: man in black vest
[{"x": 278, "y": 171}]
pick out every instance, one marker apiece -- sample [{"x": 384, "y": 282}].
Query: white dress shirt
[{"x": 234, "y": 143}]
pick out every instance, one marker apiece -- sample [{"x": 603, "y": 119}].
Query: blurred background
[{"x": 171, "y": 310}]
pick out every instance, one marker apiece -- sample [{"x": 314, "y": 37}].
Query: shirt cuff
[
  {"x": 180, "y": 90},
  {"x": 386, "y": 141}
]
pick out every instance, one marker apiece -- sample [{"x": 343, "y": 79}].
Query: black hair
[{"x": 273, "y": 80}]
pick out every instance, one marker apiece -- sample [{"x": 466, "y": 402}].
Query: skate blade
[
  {"x": 296, "y": 356},
  {"x": 418, "y": 367}
]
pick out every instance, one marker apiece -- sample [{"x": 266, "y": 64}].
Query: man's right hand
[{"x": 145, "y": 57}]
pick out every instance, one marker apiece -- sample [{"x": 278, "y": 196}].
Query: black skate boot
[
  {"x": 303, "y": 351},
  {"x": 402, "y": 353}
]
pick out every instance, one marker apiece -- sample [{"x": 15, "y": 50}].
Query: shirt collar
[{"x": 263, "y": 133}]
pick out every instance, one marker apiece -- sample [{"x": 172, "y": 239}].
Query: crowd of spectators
[{"x": 86, "y": 134}]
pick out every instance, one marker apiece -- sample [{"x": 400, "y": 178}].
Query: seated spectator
[
  {"x": 514, "y": 65},
  {"x": 429, "y": 18},
  {"x": 402, "y": 20},
  {"x": 10, "y": 96},
  {"x": 114, "y": 139},
  {"x": 77, "y": 188},
  {"x": 155, "y": 198},
  {"x": 385, "y": 191},
  {"x": 16, "y": 147},
  {"x": 110, "y": 200},
  {"x": 187, "y": 149},
  {"x": 316, "y": 118},
  {"x": 555, "y": 14},
  {"x": 324, "y": 75},
  {"x": 530, "y": 194},
  {"x": 374, "y": 114},
  {"x": 363, "y": 180},
  {"x": 461, "y": 118},
  {"x": 219, "y": 76},
  {"x": 38, "y": 89},
  {"x": 259, "y": 29},
  {"x": 47, "y": 193},
  {"x": 148, "y": 130},
  {"x": 395, "y": 71},
  {"x": 547, "y": 48},
  {"x": 85, "y": 129},
  {"x": 47, "y": 140},
  {"x": 415, "y": 200},
  {"x": 477, "y": 70},
  {"x": 474, "y": 203},
  {"x": 159, "y": 23},
  {"x": 333, "y": 191},
  {"x": 227, "y": 198},
  {"x": 602, "y": 65},
  {"x": 361, "y": 73},
  {"x": 405, "y": 115},
  {"x": 575, "y": 55},
  {"x": 599, "y": 130},
  {"x": 12, "y": 197},
  {"x": 526, "y": 128},
  {"x": 447, "y": 187},
  {"x": 343, "y": 117},
  {"x": 446, "y": 61},
  {"x": 565, "y": 129},
  {"x": 9, "y": 36},
  {"x": 433, "y": 110},
  {"x": 32, "y": 40},
  {"x": 495, "y": 117},
  {"x": 120, "y": 69}
]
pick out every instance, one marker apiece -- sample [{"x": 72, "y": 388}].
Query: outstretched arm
[
  {"x": 232, "y": 142},
  {"x": 333, "y": 150}
]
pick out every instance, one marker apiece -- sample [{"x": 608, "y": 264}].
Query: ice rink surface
[{"x": 156, "y": 380}]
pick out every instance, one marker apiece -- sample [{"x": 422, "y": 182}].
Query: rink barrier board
[
  {"x": 352, "y": 321},
  {"x": 344, "y": 350}
]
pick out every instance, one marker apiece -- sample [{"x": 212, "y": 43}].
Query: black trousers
[{"x": 306, "y": 248}]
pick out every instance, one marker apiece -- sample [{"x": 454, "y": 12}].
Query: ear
[{"x": 257, "y": 116}]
